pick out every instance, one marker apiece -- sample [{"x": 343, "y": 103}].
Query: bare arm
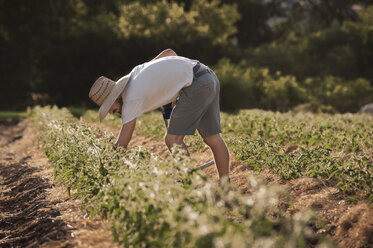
[
  {"x": 125, "y": 134},
  {"x": 165, "y": 53}
]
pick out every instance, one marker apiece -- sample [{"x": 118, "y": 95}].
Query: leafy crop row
[
  {"x": 154, "y": 202},
  {"x": 335, "y": 147}
]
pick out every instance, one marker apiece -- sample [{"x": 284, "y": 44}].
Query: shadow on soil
[{"x": 27, "y": 218}]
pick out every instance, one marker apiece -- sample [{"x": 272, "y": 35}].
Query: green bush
[
  {"x": 342, "y": 51},
  {"x": 342, "y": 95},
  {"x": 244, "y": 87}
]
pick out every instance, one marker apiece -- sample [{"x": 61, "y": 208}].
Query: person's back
[{"x": 154, "y": 84}]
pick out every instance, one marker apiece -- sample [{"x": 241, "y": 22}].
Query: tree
[
  {"x": 342, "y": 51},
  {"x": 201, "y": 32},
  {"x": 253, "y": 26}
]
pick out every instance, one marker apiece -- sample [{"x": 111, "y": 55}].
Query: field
[{"x": 297, "y": 180}]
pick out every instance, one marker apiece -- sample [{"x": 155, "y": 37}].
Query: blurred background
[{"x": 276, "y": 55}]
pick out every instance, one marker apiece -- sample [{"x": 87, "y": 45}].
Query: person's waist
[{"x": 199, "y": 69}]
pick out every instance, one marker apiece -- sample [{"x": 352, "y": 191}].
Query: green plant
[
  {"x": 156, "y": 202},
  {"x": 334, "y": 147}
]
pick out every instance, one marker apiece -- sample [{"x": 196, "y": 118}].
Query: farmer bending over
[{"x": 168, "y": 78}]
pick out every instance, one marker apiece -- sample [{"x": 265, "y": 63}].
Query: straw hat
[{"x": 104, "y": 92}]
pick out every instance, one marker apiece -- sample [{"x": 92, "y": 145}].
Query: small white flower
[{"x": 250, "y": 201}]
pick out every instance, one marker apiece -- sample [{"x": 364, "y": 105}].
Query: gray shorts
[{"x": 197, "y": 108}]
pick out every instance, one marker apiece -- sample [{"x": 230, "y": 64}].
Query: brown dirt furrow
[
  {"x": 34, "y": 209},
  {"x": 27, "y": 218}
]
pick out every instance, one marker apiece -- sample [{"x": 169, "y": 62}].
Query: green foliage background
[{"x": 273, "y": 54}]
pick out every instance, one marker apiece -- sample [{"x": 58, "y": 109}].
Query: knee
[
  {"x": 168, "y": 140},
  {"x": 171, "y": 140},
  {"x": 212, "y": 140}
]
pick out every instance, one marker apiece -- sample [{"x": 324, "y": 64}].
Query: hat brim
[{"x": 114, "y": 94}]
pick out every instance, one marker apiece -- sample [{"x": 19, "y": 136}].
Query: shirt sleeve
[{"x": 131, "y": 110}]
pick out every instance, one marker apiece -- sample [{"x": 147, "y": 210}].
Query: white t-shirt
[{"x": 154, "y": 84}]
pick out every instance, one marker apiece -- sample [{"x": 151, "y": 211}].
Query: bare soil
[{"x": 36, "y": 212}]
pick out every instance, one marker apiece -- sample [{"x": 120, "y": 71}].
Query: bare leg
[
  {"x": 171, "y": 140},
  {"x": 220, "y": 152}
]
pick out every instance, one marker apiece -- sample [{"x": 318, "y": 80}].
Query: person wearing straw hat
[{"x": 168, "y": 78}]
